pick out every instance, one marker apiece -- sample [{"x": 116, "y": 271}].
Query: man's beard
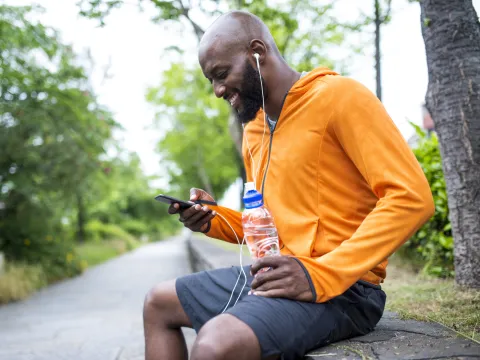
[{"x": 251, "y": 94}]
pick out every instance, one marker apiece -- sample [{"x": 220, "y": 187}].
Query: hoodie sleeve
[
  {"x": 373, "y": 143},
  {"x": 220, "y": 228}
]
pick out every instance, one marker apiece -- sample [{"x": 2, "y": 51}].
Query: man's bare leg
[
  {"x": 163, "y": 316},
  {"x": 226, "y": 338}
]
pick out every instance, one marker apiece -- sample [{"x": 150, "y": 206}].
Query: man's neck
[{"x": 282, "y": 79}]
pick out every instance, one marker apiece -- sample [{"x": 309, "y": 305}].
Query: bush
[
  {"x": 135, "y": 227},
  {"x": 19, "y": 281},
  {"x": 30, "y": 233},
  {"x": 98, "y": 231},
  {"x": 432, "y": 245}
]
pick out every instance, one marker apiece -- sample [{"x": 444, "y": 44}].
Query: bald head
[{"x": 234, "y": 32}]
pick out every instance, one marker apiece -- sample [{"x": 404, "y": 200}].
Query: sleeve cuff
[
  {"x": 312, "y": 288},
  {"x": 209, "y": 225}
]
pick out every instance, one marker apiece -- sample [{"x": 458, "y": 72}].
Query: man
[{"x": 345, "y": 191}]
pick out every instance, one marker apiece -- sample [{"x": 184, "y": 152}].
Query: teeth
[{"x": 232, "y": 99}]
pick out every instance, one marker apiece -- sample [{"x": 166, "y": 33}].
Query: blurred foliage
[
  {"x": 197, "y": 149},
  {"x": 52, "y": 134},
  {"x": 55, "y": 171},
  {"x": 432, "y": 245}
]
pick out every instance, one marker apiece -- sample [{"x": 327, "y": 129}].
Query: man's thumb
[{"x": 195, "y": 193}]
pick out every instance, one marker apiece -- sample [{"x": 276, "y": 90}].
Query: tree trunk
[
  {"x": 451, "y": 32},
  {"x": 202, "y": 174},
  {"x": 80, "y": 218},
  {"x": 236, "y": 132},
  {"x": 378, "y": 68}
]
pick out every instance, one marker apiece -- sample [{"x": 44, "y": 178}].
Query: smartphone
[{"x": 182, "y": 203}]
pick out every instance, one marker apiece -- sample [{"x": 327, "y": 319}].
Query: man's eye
[{"x": 222, "y": 75}]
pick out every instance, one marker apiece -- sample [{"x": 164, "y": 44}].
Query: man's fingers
[
  {"x": 189, "y": 212},
  {"x": 274, "y": 293},
  {"x": 269, "y": 285},
  {"x": 197, "y": 216},
  {"x": 200, "y": 226},
  {"x": 173, "y": 208},
  {"x": 267, "y": 276},
  {"x": 267, "y": 261}
]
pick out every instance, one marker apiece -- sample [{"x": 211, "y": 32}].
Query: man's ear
[{"x": 257, "y": 47}]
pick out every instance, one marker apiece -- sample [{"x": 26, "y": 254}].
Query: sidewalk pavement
[{"x": 97, "y": 315}]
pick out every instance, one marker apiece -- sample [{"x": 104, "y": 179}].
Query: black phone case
[{"x": 182, "y": 203}]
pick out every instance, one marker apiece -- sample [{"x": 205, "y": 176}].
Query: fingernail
[
  {"x": 197, "y": 207},
  {"x": 214, "y": 213},
  {"x": 250, "y": 292},
  {"x": 204, "y": 208}
]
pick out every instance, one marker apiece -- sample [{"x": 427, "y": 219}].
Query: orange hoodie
[{"x": 343, "y": 186}]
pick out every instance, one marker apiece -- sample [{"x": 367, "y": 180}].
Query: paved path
[{"x": 95, "y": 316}]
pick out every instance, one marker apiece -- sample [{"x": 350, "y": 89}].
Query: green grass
[
  {"x": 19, "y": 281},
  {"x": 425, "y": 298},
  {"x": 95, "y": 253}
]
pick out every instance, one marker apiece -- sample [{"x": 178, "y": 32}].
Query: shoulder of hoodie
[{"x": 339, "y": 87}]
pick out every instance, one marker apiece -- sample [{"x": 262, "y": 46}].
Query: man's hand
[
  {"x": 196, "y": 217},
  {"x": 285, "y": 279}
]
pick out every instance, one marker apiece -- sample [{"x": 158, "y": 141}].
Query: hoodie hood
[{"x": 305, "y": 82}]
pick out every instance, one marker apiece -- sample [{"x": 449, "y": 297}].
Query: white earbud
[{"x": 256, "y": 56}]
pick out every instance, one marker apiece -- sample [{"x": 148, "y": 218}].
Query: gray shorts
[{"x": 283, "y": 327}]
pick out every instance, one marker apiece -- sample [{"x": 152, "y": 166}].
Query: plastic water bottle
[{"x": 258, "y": 225}]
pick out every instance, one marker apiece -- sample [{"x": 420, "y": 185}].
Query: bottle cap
[
  {"x": 252, "y": 198},
  {"x": 249, "y": 186}
]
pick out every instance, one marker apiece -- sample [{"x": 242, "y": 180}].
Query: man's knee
[
  {"x": 226, "y": 337},
  {"x": 162, "y": 305}
]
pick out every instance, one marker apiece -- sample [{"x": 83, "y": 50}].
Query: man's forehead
[{"x": 213, "y": 53}]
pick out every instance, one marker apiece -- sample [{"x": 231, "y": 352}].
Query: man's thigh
[
  {"x": 283, "y": 327},
  {"x": 204, "y": 295},
  {"x": 290, "y": 329}
]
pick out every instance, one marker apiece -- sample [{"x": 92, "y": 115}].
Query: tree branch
[
  {"x": 387, "y": 13},
  {"x": 290, "y": 35},
  {"x": 198, "y": 30}
]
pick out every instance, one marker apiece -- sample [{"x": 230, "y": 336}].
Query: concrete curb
[{"x": 392, "y": 339}]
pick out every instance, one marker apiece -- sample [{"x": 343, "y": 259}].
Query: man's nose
[{"x": 219, "y": 90}]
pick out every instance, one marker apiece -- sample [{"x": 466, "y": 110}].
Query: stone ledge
[{"x": 393, "y": 339}]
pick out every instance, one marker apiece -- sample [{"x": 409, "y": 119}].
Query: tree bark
[
  {"x": 378, "y": 68},
  {"x": 81, "y": 218},
  {"x": 451, "y": 32}
]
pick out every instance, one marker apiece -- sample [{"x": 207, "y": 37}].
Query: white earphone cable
[
  {"x": 255, "y": 172},
  {"x": 264, "y": 113},
  {"x": 242, "y": 271}
]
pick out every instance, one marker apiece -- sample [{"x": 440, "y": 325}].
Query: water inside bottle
[{"x": 262, "y": 241}]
